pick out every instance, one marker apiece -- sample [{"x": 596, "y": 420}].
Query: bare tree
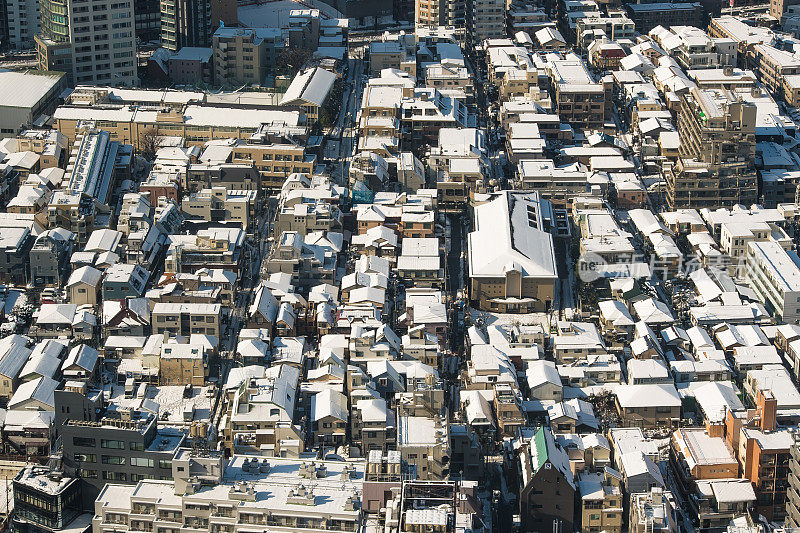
[
  {"x": 149, "y": 143},
  {"x": 290, "y": 60}
]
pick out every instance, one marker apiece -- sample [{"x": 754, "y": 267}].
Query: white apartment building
[
  {"x": 615, "y": 28},
  {"x": 93, "y": 42},
  {"x": 487, "y": 19},
  {"x": 774, "y": 275},
  {"x": 23, "y": 23},
  {"x": 242, "y": 494},
  {"x": 694, "y": 49}
]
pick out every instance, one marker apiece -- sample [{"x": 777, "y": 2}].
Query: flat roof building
[{"x": 26, "y": 96}]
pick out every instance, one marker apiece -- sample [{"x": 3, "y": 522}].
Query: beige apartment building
[
  {"x": 717, "y": 151},
  {"x": 579, "y": 99},
  {"x": 424, "y": 444},
  {"x": 186, "y": 319},
  {"x": 180, "y": 364},
  {"x": 778, "y": 70},
  {"x": 274, "y": 161},
  {"x": 51, "y": 146},
  {"x": 307, "y": 217},
  {"x": 219, "y": 204},
  {"x": 197, "y": 124},
  {"x": 245, "y": 55},
  {"x": 436, "y": 13},
  {"x": 601, "y": 502},
  {"x": 399, "y": 53}
]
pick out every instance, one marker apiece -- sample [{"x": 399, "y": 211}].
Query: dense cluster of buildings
[{"x": 519, "y": 266}]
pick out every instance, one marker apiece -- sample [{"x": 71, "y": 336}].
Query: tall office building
[
  {"x": 148, "y": 20},
  {"x": 717, "y": 150},
  {"x": 92, "y": 41},
  {"x": 193, "y": 22}
]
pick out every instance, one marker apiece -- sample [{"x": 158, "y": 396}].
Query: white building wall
[
  {"x": 103, "y": 42},
  {"x": 23, "y": 23}
]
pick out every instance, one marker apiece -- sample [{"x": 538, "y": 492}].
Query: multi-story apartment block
[
  {"x": 705, "y": 467},
  {"x": 192, "y": 22},
  {"x": 717, "y": 149},
  {"x": 438, "y": 13},
  {"x": 98, "y": 162},
  {"x": 449, "y": 75},
  {"x": 245, "y": 56},
  {"x": 195, "y": 123},
  {"x": 42, "y": 503},
  {"x": 148, "y": 20},
  {"x": 218, "y": 494},
  {"x": 579, "y": 99},
  {"x": 23, "y": 23},
  {"x": 693, "y": 48},
  {"x": 233, "y": 176},
  {"x": 601, "y": 502},
  {"x": 304, "y": 28},
  {"x": 653, "y": 512},
  {"x": 187, "y": 319},
  {"x": 424, "y": 445},
  {"x": 763, "y": 452},
  {"x": 50, "y": 145},
  {"x": 793, "y": 493},
  {"x": 667, "y": 14},
  {"x": 615, "y": 28},
  {"x": 431, "y": 13},
  {"x": 204, "y": 286},
  {"x": 209, "y": 248},
  {"x": 372, "y": 425},
  {"x": 308, "y": 264},
  {"x": 778, "y": 70},
  {"x": 183, "y": 363},
  {"x": 261, "y": 411},
  {"x": 93, "y": 42},
  {"x": 49, "y": 257},
  {"x": 393, "y": 51},
  {"x": 103, "y": 445},
  {"x": 486, "y": 19},
  {"x": 219, "y": 204},
  {"x": 274, "y": 161},
  {"x": 774, "y": 275},
  {"x": 308, "y": 216}
]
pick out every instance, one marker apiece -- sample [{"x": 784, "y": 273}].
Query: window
[
  {"x": 112, "y": 444},
  {"x": 115, "y": 476},
  {"x": 141, "y": 461},
  {"x": 86, "y": 457},
  {"x": 136, "y": 446},
  {"x": 113, "y": 460},
  {"x": 84, "y": 442}
]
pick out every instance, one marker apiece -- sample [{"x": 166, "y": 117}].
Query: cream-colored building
[
  {"x": 219, "y": 204},
  {"x": 717, "y": 150},
  {"x": 187, "y": 319},
  {"x": 274, "y": 161},
  {"x": 511, "y": 259},
  {"x": 197, "y": 124},
  {"x": 245, "y": 55},
  {"x": 181, "y": 364}
]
